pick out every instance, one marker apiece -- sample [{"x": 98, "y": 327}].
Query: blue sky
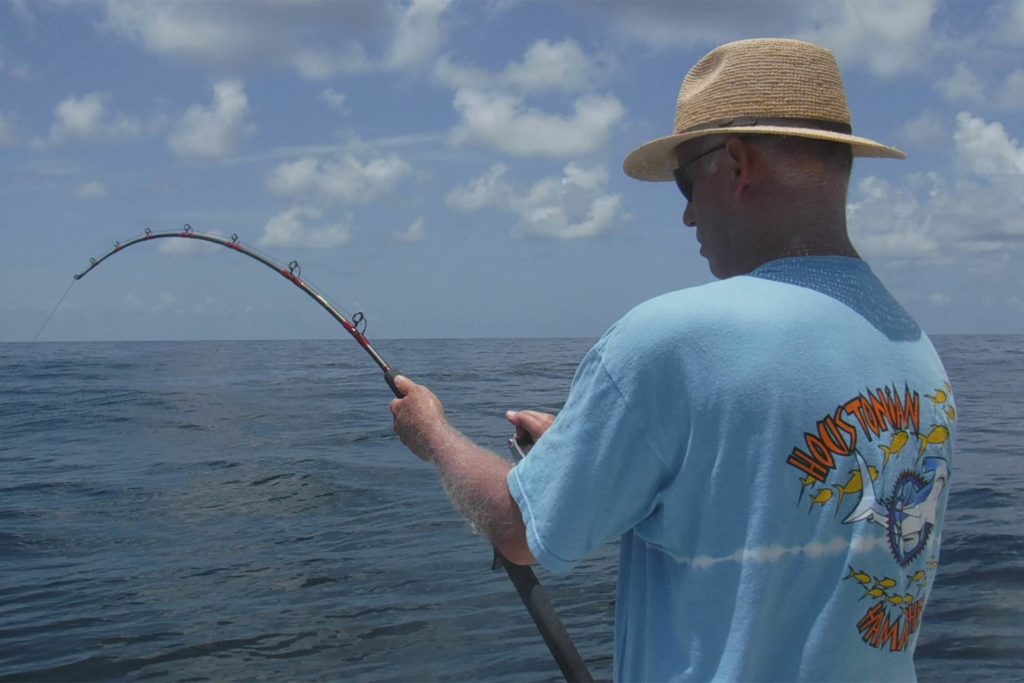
[{"x": 453, "y": 169}]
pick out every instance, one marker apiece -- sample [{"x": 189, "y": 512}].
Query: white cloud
[
  {"x": 889, "y": 222},
  {"x": 963, "y": 85},
  {"x": 79, "y": 117},
  {"x": 503, "y": 123},
  {"x": 547, "y": 216},
  {"x": 1011, "y": 95},
  {"x": 218, "y": 130},
  {"x": 573, "y": 206},
  {"x": 986, "y": 149},
  {"x": 321, "y": 64},
  {"x": 345, "y": 179},
  {"x": 927, "y": 216},
  {"x": 92, "y": 189},
  {"x": 179, "y": 28},
  {"x": 671, "y": 25},
  {"x": 888, "y": 36},
  {"x": 414, "y": 233},
  {"x": 492, "y": 115},
  {"x": 589, "y": 179},
  {"x": 458, "y": 76},
  {"x": 20, "y": 9},
  {"x": 489, "y": 189},
  {"x": 290, "y": 229},
  {"x": 319, "y": 39},
  {"x": 928, "y": 130},
  {"x": 295, "y": 177},
  {"x": 545, "y": 66},
  {"x": 418, "y": 34},
  {"x": 548, "y": 65},
  {"x": 88, "y": 119},
  {"x": 1009, "y": 24},
  {"x": 335, "y": 100}
]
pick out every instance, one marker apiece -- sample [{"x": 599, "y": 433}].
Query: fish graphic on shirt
[
  {"x": 899, "y": 441},
  {"x": 916, "y": 515},
  {"x": 938, "y": 436},
  {"x": 822, "y": 497}
]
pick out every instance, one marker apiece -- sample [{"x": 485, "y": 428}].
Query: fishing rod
[
  {"x": 292, "y": 273},
  {"x": 523, "y": 578}
]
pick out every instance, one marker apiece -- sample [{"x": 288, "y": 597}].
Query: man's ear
[{"x": 739, "y": 163}]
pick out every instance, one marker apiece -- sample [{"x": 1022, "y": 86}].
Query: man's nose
[{"x": 688, "y": 217}]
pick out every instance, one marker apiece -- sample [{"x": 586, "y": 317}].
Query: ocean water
[{"x": 241, "y": 511}]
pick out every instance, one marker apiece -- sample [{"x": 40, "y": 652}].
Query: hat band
[{"x": 753, "y": 121}]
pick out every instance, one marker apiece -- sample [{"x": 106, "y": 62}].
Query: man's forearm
[{"x": 476, "y": 480}]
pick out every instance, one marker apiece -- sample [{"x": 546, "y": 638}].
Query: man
[{"x": 773, "y": 449}]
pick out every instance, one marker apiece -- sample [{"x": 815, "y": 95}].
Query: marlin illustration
[{"x": 915, "y": 516}]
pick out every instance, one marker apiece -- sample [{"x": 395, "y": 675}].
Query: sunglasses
[{"x": 684, "y": 184}]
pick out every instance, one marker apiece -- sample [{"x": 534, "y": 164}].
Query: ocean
[{"x": 241, "y": 511}]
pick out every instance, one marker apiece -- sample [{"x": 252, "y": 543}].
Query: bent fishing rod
[{"x": 526, "y": 583}]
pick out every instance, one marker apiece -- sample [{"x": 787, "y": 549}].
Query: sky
[{"x": 454, "y": 169}]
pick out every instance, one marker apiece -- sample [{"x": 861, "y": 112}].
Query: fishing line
[
  {"x": 530, "y": 591},
  {"x": 54, "y": 309}
]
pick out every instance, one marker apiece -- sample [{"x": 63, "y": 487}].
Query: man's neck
[{"x": 816, "y": 247}]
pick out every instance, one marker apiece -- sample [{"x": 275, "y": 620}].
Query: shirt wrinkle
[{"x": 631, "y": 411}]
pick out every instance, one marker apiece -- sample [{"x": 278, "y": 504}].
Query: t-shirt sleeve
[{"x": 593, "y": 475}]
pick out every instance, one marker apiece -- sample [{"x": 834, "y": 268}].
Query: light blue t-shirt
[{"x": 774, "y": 451}]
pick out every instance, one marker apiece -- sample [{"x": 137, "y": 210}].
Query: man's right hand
[{"x": 529, "y": 424}]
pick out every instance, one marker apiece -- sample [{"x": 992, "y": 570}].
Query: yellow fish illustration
[
  {"x": 854, "y": 484},
  {"x": 933, "y": 564},
  {"x": 859, "y": 577},
  {"x": 951, "y": 413},
  {"x": 908, "y": 598},
  {"x": 940, "y": 396},
  {"x": 807, "y": 482},
  {"x": 939, "y": 435},
  {"x": 875, "y": 593},
  {"x": 886, "y": 583},
  {"x": 820, "y": 498},
  {"x": 896, "y": 600},
  {"x": 919, "y": 576},
  {"x": 899, "y": 441}
]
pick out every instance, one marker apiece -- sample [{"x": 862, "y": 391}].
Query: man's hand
[
  {"x": 529, "y": 424},
  {"x": 420, "y": 421},
  {"x": 475, "y": 478}
]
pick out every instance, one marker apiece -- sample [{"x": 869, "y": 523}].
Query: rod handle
[
  {"x": 568, "y": 658},
  {"x": 389, "y": 376}
]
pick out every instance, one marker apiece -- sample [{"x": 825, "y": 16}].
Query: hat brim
[{"x": 656, "y": 160}]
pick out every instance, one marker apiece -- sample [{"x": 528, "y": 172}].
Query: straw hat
[{"x": 770, "y": 86}]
